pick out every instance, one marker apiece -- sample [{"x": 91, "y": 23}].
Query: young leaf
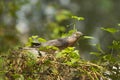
[
  {"x": 78, "y": 18},
  {"x": 34, "y": 37},
  {"x": 110, "y": 30},
  {"x": 119, "y": 24},
  {"x": 68, "y": 34},
  {"x": 41, "y": 40},
  {"x": 89, "y": 37},
  {"x": 95, "y": 53}
]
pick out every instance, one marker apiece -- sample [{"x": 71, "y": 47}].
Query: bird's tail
[{"x": 35, "y": 45}]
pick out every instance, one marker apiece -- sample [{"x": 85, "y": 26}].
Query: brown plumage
[{"x": 61, "y": 43}]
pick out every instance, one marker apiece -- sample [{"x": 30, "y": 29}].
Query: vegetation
[
  {"x": 65, "y": 64},
  {"x": 95, "y": 57}
]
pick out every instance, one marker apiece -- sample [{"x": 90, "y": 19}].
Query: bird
[{"x": 61, "y": 43}]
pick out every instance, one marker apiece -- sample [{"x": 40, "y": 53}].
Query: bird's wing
[
  {"x": 57, "y": 42},
  {"x": 62, "y": 42}
]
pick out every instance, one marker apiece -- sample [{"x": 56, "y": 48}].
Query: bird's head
[
  {"x": 77, "y": 34},
  {"x": 74, "y": 37}
]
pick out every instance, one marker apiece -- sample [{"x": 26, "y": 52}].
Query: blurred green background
[{"x": 49, "y": 19}]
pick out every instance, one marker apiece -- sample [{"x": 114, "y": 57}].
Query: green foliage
[
  {"x": 69, "y": 33},
  {"x": 118, "y": 24},
  {"x": 110, "y": 30},
  {"x": 110, "y": 60},
  {"x": 41, "y": 40},
  {"x": 65, "y": 65},
  {"x": 62, "y": 64},
  {"x": 55, "y": 29},
  {"x": 78, "y": 18},
  {"x": 34, "y": 39},
  {"x": 8, "y": 34},
  {"x": 88, "y": 37},
  {"x": 22, "y": 65},
  {"x": 70, "y": 54},
  {"x": 63, "y": 15},
  {"x": 49, "y": 49},
  {"x": 115, "y": 45}
]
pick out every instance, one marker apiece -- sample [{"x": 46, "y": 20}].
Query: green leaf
[
  {"x": 99, "y": 48},
  {"x": 58, "y": 55},
  {"x": 95, "y": 53},
  {"x": 119, "y": 24},
  {"x": 69, "y": 63},
  {"x": 115, "y": 44},
  {"x": 63, "y": 15},
  {"x": 51, "y": 47},
  {"x": 110, "y": 30},
  {"x": 68, "y": 34},
  {"x": 69, "y": 52},
  {"x": 107, "y": 57},
  {"x": 41, "y": 40},
  {"x": 72, "y": 62},
  {"x": 34, "y": 37},
  {"x": 30, "y": 39},
  {"x": 78, "y": 18},
  {"x": 89, "y": 37}
]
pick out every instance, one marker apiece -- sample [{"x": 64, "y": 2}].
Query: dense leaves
[
  {"x": 65, "y": 65},
  {"x": 51, "y": 20}
]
